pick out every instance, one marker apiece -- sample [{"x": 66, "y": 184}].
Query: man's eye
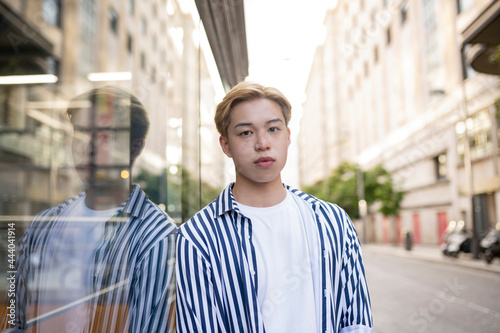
[
  {"x": 245, "y": 133},
  {"x": 273, "y": 129}
]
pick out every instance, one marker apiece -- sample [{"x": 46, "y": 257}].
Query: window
[
  {"x": 113, "y": 20},
  {"x": 154, "y": 42},
  {"x": 144, "y": 26},
  {"x": 404, "y": 11},
  {"x": 143, "y": 61},
  {"x": 87, "y": 37},
  {"x": 153, "y": 75},
  {"x": 130, "y": 6},
  {"x": 52, "y": 66},
  {"x": 463, "y": 5},
  {"x": 479, "y": 133},
  {"x": 52, "y": 12},
  {"x": 441, "y": 170},
  {"x": 129, "y": 43},
  {"x": 430, "y": 29}
]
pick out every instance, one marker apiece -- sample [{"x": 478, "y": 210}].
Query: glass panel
[{"x": 98, "y": 143}]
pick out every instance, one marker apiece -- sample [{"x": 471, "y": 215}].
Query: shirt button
[
  {"x": 248, "y": 237},
  {"x": 252, "y": 272}
]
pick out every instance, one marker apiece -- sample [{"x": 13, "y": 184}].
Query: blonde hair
[{"x": 243, "y": 92}]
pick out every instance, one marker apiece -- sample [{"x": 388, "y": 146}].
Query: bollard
[{"x": 408, "y": 241}]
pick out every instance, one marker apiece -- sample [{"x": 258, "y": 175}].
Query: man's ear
[
  {"x": 225, "y": 146},
  {"x": 289, "y": 136},
  {"x": 136, "y": 148}
]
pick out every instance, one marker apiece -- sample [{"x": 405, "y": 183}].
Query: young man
[
  {"x": 102, "y": 261},
  {"x": 264, "y": 257}
]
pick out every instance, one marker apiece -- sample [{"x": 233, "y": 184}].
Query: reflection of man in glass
[{"x": 101, "y": 261}]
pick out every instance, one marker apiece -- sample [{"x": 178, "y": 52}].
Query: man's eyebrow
[
  {"x": 242, "y": 124},
  {"x": 251, "y": 124},
  {"x": 274, "y": 120}
]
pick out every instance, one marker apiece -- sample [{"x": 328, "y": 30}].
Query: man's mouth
[{"x": 264, "y": 161}]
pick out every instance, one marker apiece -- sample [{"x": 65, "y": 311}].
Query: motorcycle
[
  {"x": 491, "y": 244},
  {"x": 456, "y": 239}
]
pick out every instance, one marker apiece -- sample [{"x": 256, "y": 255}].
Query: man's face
[
  {"x": 257, "y": 141},
  {"x": 100, "y": 146}
]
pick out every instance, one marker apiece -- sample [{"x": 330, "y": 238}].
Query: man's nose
[{"x": 262, "y": 142}]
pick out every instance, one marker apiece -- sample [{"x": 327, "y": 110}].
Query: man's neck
[
  {"x": 259, "y": 194},
  {"x": 103, "y": 198}
]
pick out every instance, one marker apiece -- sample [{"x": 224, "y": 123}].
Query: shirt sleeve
[
  {"x": 153, "y": 300},
  {"x": 356, "y": 314},
  {"x": 196, "y": 310},
  {"x": 21, "y": 287}
]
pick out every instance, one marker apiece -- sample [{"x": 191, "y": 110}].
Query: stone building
[{"x": 393, "y": 84}]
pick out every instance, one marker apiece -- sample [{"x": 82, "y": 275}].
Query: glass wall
[{"x": 101, "y": 105}]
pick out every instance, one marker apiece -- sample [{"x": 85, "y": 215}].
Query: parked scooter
[
  {"x": 491, "y": 244},
  {"x": 456, "y": 239}
]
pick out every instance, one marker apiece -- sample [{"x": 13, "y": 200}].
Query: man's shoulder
[
  {"x": 206, "y": 216},
  {"x": 55, "y": 211},
  {"x": 310, "y": 199},
  {"x": 322, "y": 207},
  {"x": 156, "y": 218},
  {"x": 207, "y": 222}
]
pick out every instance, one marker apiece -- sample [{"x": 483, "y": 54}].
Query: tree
[
  {"x": 342, "y": 188},
  {"x": 180, "y": 194}
]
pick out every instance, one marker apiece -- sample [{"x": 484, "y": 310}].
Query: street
[{"x": 410, "y": 295}]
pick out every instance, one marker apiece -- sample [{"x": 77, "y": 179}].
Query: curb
[{"x": 434, "y": 258}]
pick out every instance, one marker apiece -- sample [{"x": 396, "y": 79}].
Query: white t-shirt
[
  {"x": 287, "y": 290},
  {"x": 67, "y": 275}
]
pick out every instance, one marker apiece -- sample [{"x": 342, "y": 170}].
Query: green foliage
[
  {"x": 180, "y": 193},
  {"x": 342, "y": 188},
  {"x": 495, "y": 56},
  {"x": 190, "y": 198},
  {"x": 150, "y": 185}
]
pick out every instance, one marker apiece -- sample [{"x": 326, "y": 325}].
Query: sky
[{"x": 282, "y": 37}]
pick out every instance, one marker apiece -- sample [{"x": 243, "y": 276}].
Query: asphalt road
[{"x": 410, "y": 295}]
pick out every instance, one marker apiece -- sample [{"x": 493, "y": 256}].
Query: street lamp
[{"x": 362, "y": 202}]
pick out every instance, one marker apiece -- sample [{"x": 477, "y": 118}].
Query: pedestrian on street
[{"x": 264, "y": 257}]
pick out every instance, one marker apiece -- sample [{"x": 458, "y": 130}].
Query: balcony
[{"x": 484, "y": 36}]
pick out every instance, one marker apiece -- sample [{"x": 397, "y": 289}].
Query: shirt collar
[
  {"x": 135, "y": 202},
  {"x": 225, "y": 202}
]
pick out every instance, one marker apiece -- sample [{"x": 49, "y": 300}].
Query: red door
[
  {"x": 385, "y": 229},
  {"x": 442, "y": 219},
  {"x": 398, "y": 230},
  {"x": 416, "y": 229}
]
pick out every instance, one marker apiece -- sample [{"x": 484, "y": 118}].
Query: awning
[
  {"x": 22, "y": 47},
  {"x": 224, "y": 22},
  {"x": 484, "y": 33}
]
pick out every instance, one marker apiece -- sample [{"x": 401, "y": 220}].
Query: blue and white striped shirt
[
  {"x": 129, "y": 279},
  {"x": 217, "y": 278}
]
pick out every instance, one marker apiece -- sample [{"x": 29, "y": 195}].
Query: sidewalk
[{"x": 432, "y": 254}]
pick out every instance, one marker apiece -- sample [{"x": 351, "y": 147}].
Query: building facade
[
  {"x": 152, "y": 48},
  {"x": 392, "y": 85}
]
